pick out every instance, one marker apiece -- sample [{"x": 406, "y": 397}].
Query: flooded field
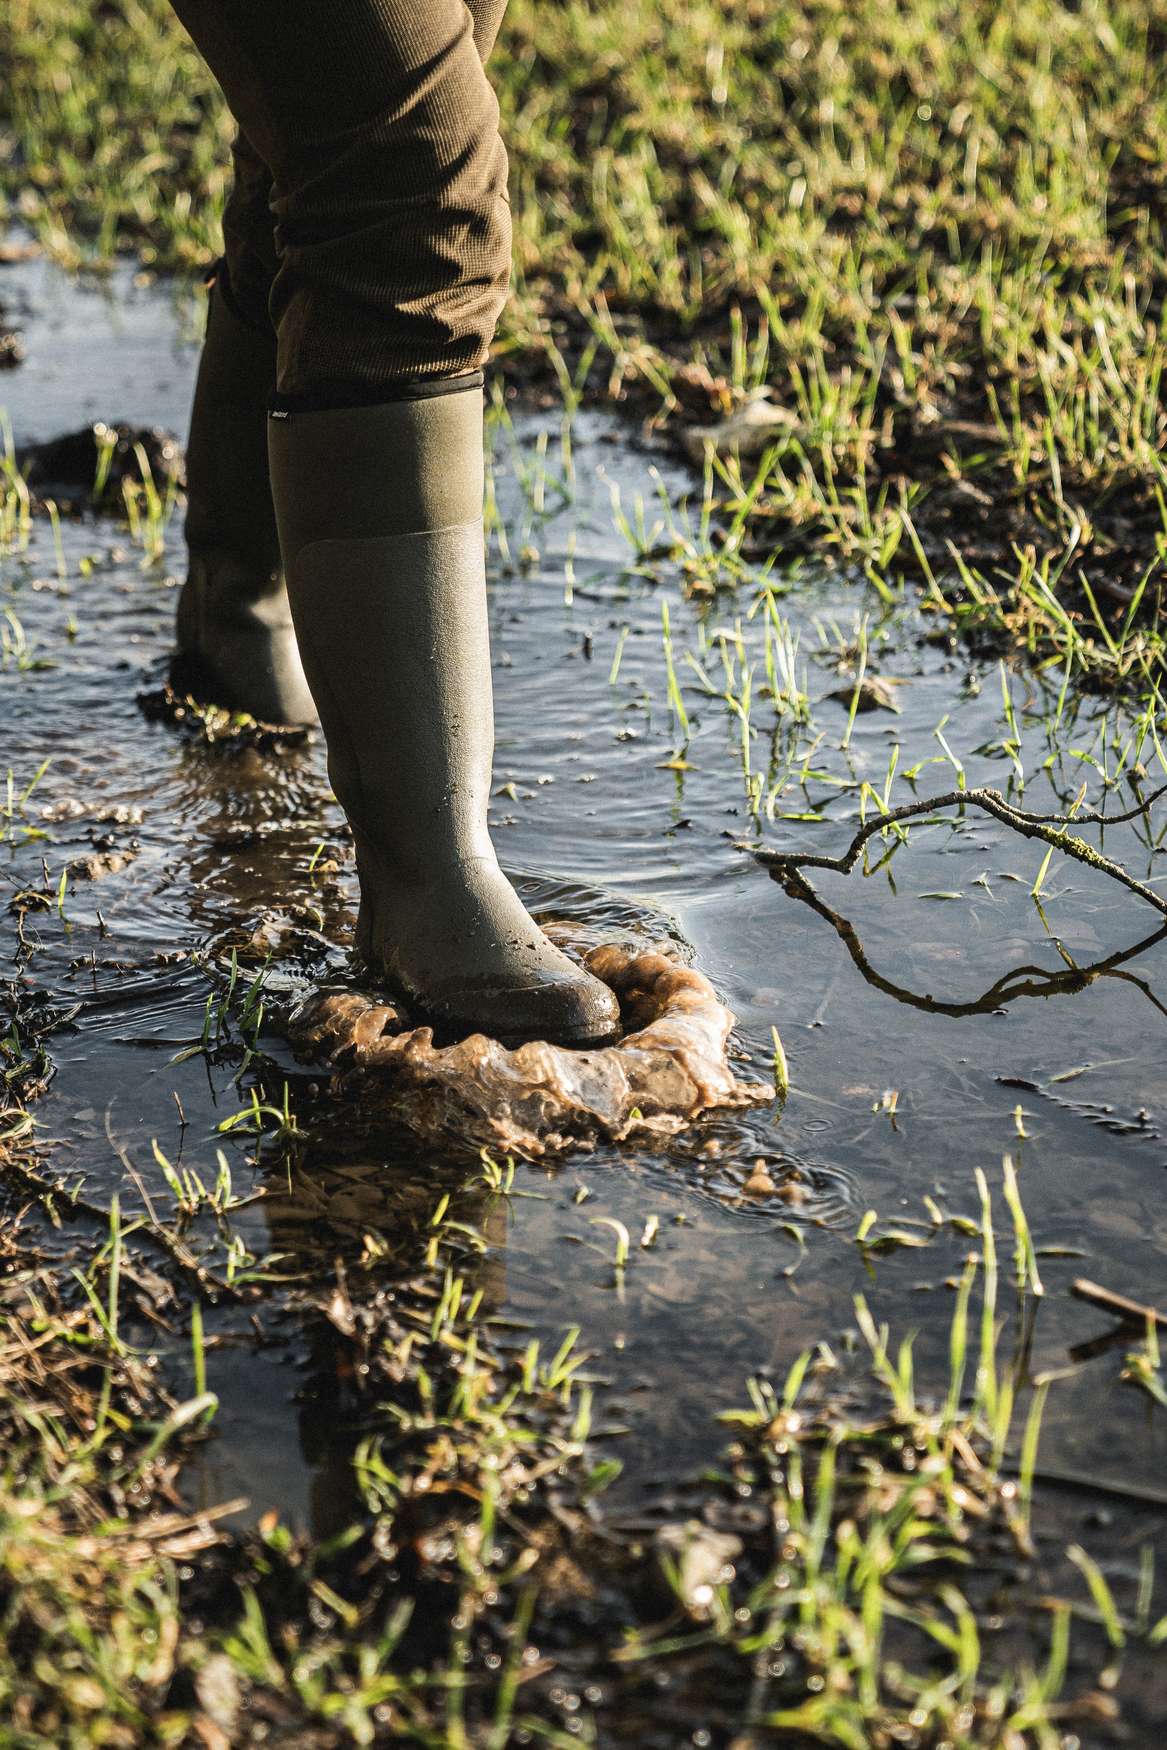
[{"x": 657, "y": 717}]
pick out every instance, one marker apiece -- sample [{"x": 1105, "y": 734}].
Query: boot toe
[{"x": 576, "y": 1010}]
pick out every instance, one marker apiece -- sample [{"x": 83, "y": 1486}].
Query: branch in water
[{"x": 1030, "y": 826}]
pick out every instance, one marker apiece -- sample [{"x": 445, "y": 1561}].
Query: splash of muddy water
[{"x": 539, "y": 1099}]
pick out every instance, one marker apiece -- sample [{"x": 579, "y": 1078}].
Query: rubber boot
[
  {"x": 380, "y": 520},
  {"x": 236, "y": 643}
]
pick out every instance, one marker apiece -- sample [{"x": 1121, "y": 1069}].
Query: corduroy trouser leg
[{"x": 369, "y": 223}]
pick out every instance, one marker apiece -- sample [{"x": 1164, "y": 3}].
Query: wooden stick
[{"x": 1129, "y": 1311}]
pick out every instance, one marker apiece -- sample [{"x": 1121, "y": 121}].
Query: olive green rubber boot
[
  {"x": 380, "y": 519},
  {"x": 236, "y": 643}
]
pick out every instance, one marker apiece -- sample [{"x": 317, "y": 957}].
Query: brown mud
[
  {"x": 682, "y": 1616},
  {"x": 11, "y": 345},
  {"x": 539, "y": 1100},
  {"x": 90, "y": 469},
  {"x": 210, "y": 723}
]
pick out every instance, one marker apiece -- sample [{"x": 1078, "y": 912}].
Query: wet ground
[{"x": 903, "y": 1082}]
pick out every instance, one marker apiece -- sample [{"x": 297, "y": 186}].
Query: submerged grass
[{"x": 824, "y": 1584}]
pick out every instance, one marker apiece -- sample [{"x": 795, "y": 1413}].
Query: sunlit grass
[
  {"x": 884, "y": 219},
  {"x": 910, "y": 194}
]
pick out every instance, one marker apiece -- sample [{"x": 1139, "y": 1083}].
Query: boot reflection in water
[
  {"x": 368, "y": 246},
  {"x": 331, "y": 1210}
]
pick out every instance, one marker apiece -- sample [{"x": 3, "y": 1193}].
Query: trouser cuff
[{"x": 332, "y": 398}]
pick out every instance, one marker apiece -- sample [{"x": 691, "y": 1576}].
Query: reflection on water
[
  {"x": 1019, "y": 981},
  {"x": 912, "y": 1059}
]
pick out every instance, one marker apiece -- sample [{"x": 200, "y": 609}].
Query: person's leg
[
  {"x": 392, "y": 228},
  {"x": 236, "y": 645},
  {"x": 250, "y": 262},
  {"x": 487, "y": 16},
  {"x": 235, "y": 641},
  {"x": 392, "y": 234}
]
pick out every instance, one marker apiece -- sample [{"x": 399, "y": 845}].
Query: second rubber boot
[
  {"x": 380, "y": 519},
  {"x": 236, "y": 642}
]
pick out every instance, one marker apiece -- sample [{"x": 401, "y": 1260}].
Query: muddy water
[{"x": 604, "y": 825}]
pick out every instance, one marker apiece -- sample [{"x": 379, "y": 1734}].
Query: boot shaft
[
  {"x": 380, "y": 520},
  {"x": 236, "y": 645},
  {"x": 353, "y": 473},
  {"x": 229, "y": 505}
]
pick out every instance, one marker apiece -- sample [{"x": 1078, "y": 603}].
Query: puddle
[
  {"x": 105, "y": 348},
  {"x": 968, "y": 1002}
]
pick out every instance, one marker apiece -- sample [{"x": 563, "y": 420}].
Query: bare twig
[
  {"x": 1130, "y": 1311},
  {"x": 1031, "y": 826}
]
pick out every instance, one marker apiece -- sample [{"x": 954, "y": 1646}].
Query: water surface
[{"x": 603, "y": 820}]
